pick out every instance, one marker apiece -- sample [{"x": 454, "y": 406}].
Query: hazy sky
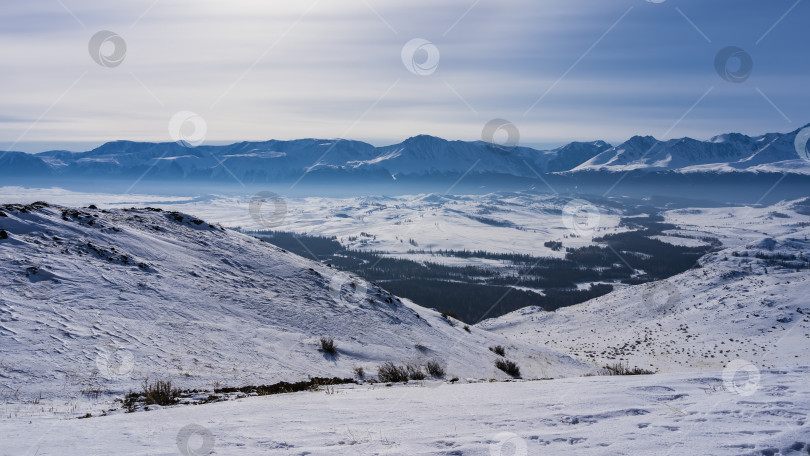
[{"x": 254, "y": 70}]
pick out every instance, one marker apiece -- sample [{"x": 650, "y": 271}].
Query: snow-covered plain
[{"x": 449, "y": 222}]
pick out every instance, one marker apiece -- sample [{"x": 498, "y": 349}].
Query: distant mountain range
[{"x": 417, "y": 157}]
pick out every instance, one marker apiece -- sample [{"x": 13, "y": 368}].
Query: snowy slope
[
  {"x": 93, "y": 298},
  {"x": 667, "y": 414},
  {"x": 746, "y": 302}
]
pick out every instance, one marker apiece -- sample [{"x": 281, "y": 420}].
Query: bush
[
  {"x": 435, "y": 369},
  {"x": 390, "y": 372},
  {"x": 328, "y": 346},
  {"x": 415, "y": 372},
  {"x": 624, "y": 369},
  {"x": 498, "y": 350},
  {"x": 510, "y": 367},
  {"x": 159, "y": 392},
  {"x": 422, "y": 348},
  {"x": 284, "y": 387},
  {"x": 359, "y": 372}
]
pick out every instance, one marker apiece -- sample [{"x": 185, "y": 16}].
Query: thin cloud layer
[{"x": 559, "y": 70}]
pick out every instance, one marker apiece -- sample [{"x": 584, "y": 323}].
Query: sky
[{"x": 213, "y": 72}]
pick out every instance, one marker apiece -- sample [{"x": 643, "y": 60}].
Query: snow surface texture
[
  {"x": 96, "y": 299},
  {"x": 748, "y": 302},
  {"x": 667, "y": 414}
]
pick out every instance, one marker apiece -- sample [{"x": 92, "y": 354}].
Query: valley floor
[{"x": 655, "y": 414}]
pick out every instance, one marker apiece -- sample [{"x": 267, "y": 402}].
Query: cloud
[{"x": 258, "y": 70}]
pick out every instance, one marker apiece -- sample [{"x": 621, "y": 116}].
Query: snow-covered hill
[
  {"x": 101, "y": 299},
  {"x": 746, "y": 302},
  {"x": 417, "y": 157}
]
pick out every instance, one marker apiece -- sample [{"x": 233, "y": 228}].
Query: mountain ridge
[{"x": 421, "y": 155}]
